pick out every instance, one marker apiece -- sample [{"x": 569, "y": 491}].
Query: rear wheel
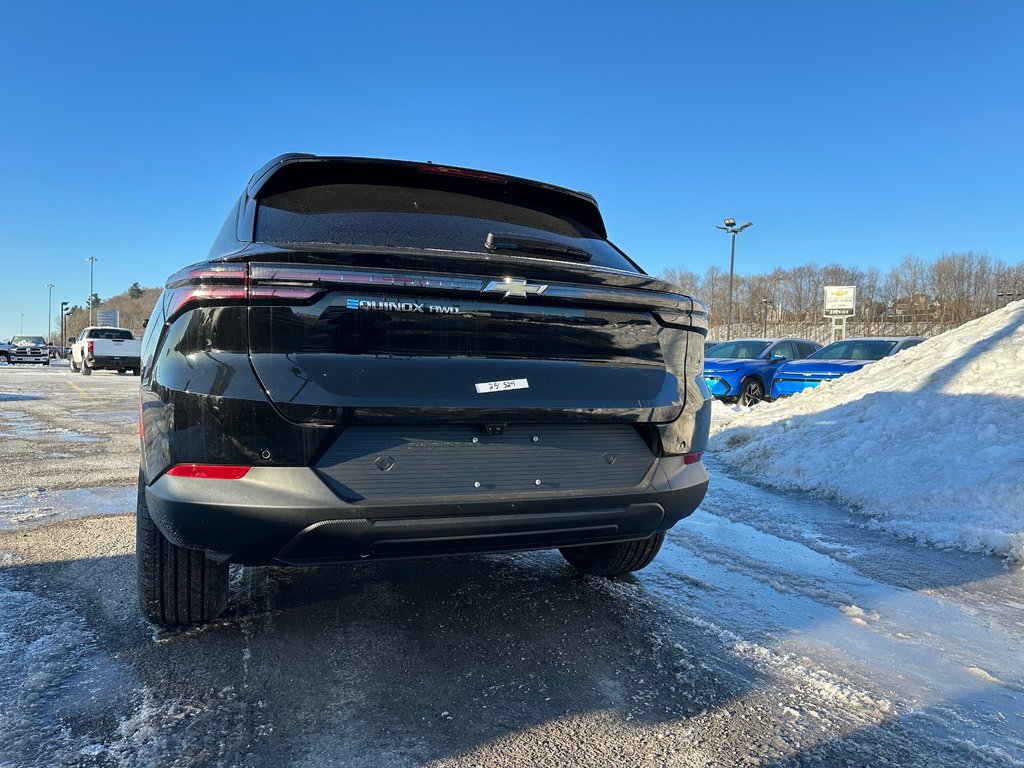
[
  {"x": 86, "y": 370},
  {"x": 176, "y": 585},
  {"x": 614, "y": 559},
  {"x": 135, "y": 371},
  {"x": 752, "y": 392}
]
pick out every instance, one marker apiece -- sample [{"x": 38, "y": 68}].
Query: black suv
[{"x": 385, "y": 359}]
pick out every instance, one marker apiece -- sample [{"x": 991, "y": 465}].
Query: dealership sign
[
  {"x": 108, "y": 317},
  {"x": 840, "y": 300}
]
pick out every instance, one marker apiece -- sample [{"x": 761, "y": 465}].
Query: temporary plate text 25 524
[{"x": 502, "y": 386}]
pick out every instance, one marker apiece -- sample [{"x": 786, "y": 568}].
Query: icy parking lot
[{"x": 787, "y": 622}]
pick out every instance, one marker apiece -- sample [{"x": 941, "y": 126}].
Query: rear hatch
[
  {"x": 368, "y": 345},
  {"x": 386, "y": 291}
]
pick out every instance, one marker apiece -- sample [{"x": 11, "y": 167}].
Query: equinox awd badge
[{"x": 389, "y": 305}]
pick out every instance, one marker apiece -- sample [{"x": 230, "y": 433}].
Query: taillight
[
  {"x": 88, "y": 348},
  {"x": 208, "y": 471},
  {"x": 204, "y": 284},
  {"x": 465, "y": 173},
  {"x": 691, "y": 458}
]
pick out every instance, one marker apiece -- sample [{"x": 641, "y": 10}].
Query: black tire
[
  {"x": 751, "y": 391},
  {"x": 120, "y": 371},
  {"x": 177, "y": 586},
  {"x": 86, "y": 370},
  {"x": 614, "y": 559},
  {"x": 136, "y": 371},
  {"x": 71, "y": 365}
]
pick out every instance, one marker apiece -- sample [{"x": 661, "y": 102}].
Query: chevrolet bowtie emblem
[{"x": 513, "y": 286}]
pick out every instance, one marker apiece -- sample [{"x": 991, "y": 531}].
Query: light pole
[
  {"x": 732, "y": 229},
  {"x": 49, "y": 309},
  {"x": 764, "y": 332},
  {"x": 63, "y": 309},
  {"x": 22, "y": 331},
  {"x": 92, "y": 263}
]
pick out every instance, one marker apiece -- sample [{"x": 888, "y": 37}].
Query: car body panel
[
  {"x": 725, "y": 377},
  {"x": 797, "y": 376}
]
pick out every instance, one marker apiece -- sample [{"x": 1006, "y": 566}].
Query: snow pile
[{"x": 928, "y": 444}]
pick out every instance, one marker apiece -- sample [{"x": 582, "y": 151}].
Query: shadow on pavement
[{"x": 396, "y": 663}]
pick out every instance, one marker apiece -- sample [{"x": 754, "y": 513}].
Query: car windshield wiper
[{"x": 507, "y": 241}]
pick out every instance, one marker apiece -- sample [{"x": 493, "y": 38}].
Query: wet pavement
[{"x": 772, "y": 630}]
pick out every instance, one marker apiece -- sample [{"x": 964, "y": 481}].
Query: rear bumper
[
  {"x": 288, "y": 515},
  {"x": 113, "y": 363}
]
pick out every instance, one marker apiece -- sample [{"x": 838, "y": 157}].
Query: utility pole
[
  {"x": 764, "y": 332},
  {"x": 732, "y": 229},
  {"x": 49, "y": 310},
  {"x": 92, "y": 263}
]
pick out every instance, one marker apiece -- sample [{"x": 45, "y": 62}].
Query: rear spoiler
[{"x": 295, "y": 171}]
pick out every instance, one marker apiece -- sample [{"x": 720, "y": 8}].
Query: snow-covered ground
[{"x": 928, "y": 444}]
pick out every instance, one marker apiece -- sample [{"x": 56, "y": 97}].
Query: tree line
[
  {"x": 135, "y": 306},
  {"x": 914, "y": 297}
]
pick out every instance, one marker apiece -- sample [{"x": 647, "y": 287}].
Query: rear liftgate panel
[{"x": 354, "y": 354}]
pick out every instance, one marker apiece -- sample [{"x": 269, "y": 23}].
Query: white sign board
[
  {"x": 108, "y": 317},
  {"x": 840, "y": 300}
]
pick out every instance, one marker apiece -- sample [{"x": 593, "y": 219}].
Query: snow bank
[{"x": 928, "y": 444}]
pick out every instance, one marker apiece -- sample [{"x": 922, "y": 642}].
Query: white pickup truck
[{"x": 102, "y": 348}]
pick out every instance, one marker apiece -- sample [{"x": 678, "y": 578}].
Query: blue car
[
  {"x": 742, "y": 371},
  {"x": 836, "y": 360}
]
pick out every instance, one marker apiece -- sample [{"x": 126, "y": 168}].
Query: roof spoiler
[{"x": 297, "y": 170}]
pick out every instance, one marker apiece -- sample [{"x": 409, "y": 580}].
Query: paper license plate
[{"x": 502, "y": 386}]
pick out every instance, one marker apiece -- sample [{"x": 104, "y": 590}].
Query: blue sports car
[
  {"x": 836, "y": 360},
  {"x": 742, "y": 370}
]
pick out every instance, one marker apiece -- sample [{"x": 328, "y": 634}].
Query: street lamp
[
  {"x": 49, "y": 309},
  {"x": 63, "y": 310},
  {"x": 92, "y": 263},
  {"x": 732, "y": 229}
]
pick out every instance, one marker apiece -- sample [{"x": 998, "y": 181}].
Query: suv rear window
[
  {"x": 111, "y": 333},
  {"x": 406, "y": 217}
]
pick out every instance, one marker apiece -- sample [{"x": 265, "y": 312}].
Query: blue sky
[{"x": 857, "y": 132}]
